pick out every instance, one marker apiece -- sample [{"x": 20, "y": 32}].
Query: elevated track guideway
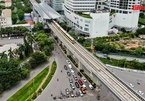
[
  {"x": 97, "y": 67},
  {"x": 92, "y": 63}
]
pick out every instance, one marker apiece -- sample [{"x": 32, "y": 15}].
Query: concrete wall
[
  {"x": 127, "y": 20},
  {"x": 96, "y": 26}
]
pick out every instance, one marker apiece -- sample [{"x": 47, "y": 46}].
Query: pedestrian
[
  {"x": 61, "y": 70},
  {"x": 51, "y": 94},
  {"x": 57, "y": 79}
]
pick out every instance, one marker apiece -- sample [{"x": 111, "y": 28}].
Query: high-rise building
[
  {"x": 80, "y": 5},
  {"x": 123, "y": 15},
  {"x": 83, "y": 17},
  {"x": 96, "y": 17}
]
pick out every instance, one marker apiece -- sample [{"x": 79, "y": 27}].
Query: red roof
[
  {"x": 29, "y": 21},
  {"x": 8, "y": 0}
]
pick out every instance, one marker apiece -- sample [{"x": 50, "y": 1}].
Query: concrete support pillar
[
  {"x": 68, "y": 52},
  {"x": 91, "y": 74},
  {"x": 80, "y": 65}
]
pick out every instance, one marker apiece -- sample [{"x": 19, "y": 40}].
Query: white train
[{"x": 70, "y": 38}]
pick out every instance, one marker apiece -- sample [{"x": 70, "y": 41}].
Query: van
[
  {"x": 70, "y": 66},
  {"x": 91, "y": 87}
]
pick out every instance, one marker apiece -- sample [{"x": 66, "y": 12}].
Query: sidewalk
[{"x": 121, "y": 57}]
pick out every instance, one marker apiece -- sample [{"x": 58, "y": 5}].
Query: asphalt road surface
[{"x": 55, "y": 87}]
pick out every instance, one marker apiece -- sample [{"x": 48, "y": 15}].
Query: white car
[
  {"x": 91, "y": 87},
  {"x": 72, "y": 72},
  {"x": 70, "y": 66},
  {"x": 131, "y": 85},
  {"x": 81, "y": 94},
  {"x": 84, "y": 79},
  {"x": 140, "y": 92},
  {"x": 84, "y": 86},
  {"x": 68, "y": 62}
]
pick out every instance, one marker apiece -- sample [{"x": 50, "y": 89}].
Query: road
[
  {"x": 55, "y": 87},
  {"x": 96, "y": 67},
  {"x": 131, "y": 78},
  {"x": 8, "y": 93},
  {"x": 121, "y": 57},
  {"x": 9, "y": 43}
]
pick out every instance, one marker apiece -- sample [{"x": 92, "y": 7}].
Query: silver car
[
  {"x": 72, "y": 86},
  {"x": 67, "y": 91}
]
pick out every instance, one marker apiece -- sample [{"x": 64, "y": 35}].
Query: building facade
[
  {"x": 123, "y": 15},
  {"x": 5, "y": 18},
  {"x": 102, "y": 15},
  {"x": 82, "y": 16}
]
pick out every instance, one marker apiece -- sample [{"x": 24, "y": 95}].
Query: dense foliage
[
  {"x": 13, "y": 31},
  {"x": 10, "y": 74}
]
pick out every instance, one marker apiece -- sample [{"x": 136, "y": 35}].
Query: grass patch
[
  {"x": 85, "y": 15},
  {"x": 29, "y": 88},
  {"x": 134, "y": 64},
  {"x": 53, "y": 68}
]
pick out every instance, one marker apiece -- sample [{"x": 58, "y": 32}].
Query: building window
[{"x": 86, "y": 29}]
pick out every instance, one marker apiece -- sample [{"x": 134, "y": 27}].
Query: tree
[
  {"x": 25, "y": 73},
  {"x": 81, "y": 40},
  {"x": 26, "y": 65},
  {"x": 10, "y": 54},
  {"x": 37, "y": 27},
  {"x": 123, "y": 30},
  {"x": 141, "y": 15},
  {"x": 20, "y": 14},
  {"x": 3, "y": 55},
  {"x": 21, "y": 50},
  {"x": 139, "y": 51},
  {"x": 74, "y": 35},
  {"x": 39, "y": 57}
]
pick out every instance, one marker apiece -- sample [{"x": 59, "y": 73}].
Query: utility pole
[{"x": 92, "y": 48}]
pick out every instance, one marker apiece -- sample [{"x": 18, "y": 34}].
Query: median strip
[{"x": 34, "y": 87}]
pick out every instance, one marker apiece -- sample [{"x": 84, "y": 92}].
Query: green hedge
[{"x": 53, "y": 68}]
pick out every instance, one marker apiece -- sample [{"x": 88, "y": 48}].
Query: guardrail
[{"x": 142, "y": 98}]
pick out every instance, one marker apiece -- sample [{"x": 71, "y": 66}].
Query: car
[
  {"x": 70, "y": 80},
  {"x": 72, "y": 93},
  {"x": 72, "y": 72},
  {"x": 83, "y": 90},
  {"x": 77, "y": 93},
  {"x": 77, "y": 84},
  {"x": 81, "y": 94},
  {"x": 67, "y": 91},
  {"x": 68, "y": 73},
  {"x": 72, "y": 86},
  {"x": 70, "y": 66},
  {"x": 79, "y": 74},
  {"x": 131, "y": 85},
  {"x": 75, "y": 77},
  {"x": 80, "y": 82},
  {"x": 84, "y": 86},
  {"x": 65, "y": 67},
  {"x": 68, "y": 62},
  {"x": 84, "y": 79},
  {"x": 91, "y": 87}
]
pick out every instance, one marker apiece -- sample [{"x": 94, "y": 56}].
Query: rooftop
[
  {"x": 8, "y": 0},
  {"x": 6, "y": 13}
]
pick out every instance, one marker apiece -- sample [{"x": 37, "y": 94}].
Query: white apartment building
[
  {"x": 82, "y": 16},
  {"x": 124, "y": 16},
  {"x": 80, "y": 5},
  {"x": 88, "y": 16},
  {"x": 5, "y": 18},
  {"x": 8, "y": 3}
]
